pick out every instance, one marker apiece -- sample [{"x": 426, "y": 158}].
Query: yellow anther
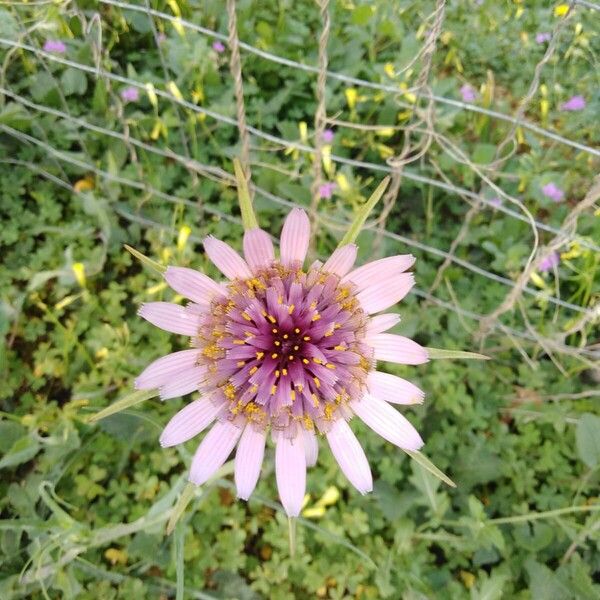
[
  {"x": 273, "y": 390},
  {"x": 305, "y": 361},
  {"x": 259, "y": 355},
  {"x": 246, "y": 316},
  {"x": 253, "y": 370},
  {"x": 274, "y": 330},
  {"x": 313, "y": 305},
  {"x": 248, "y": 334},
  {"x": 336, "y": 325},
  {"x": 329, "y": 410},
  {"x": 277, "y": 343},
  {"x": 272, "y": 318},
  {"x": 274, "y": 355},
  {"x": 315, "y": 399},
  {"x": 317, "y": 382},
  {"x": 279, "y": 300},
  {"x": 316, "y": 317},
  {"x": 299, "y": 387},
  {"x": 339, "y": 348},
  {"x": 306, "y": 338},
  {"x": 317, "y": 360},
  {"x": 264, "y": 313},
  {"x": 291, "y": 357},
  {"x": 284, "y": 371},
  {"x": 241, "y": 363},
  {"x": 285, "y": 336},
  {"x": 239, "y": 342},
  {"x": 297, "y": 330},
  {"x": 291, "y": 309},
  {"x": 296, "y": 348},
  {"x": 293, "y": 395},
  {"x": 277, "y": 373}
]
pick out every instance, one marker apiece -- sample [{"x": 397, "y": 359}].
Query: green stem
[
  {"x": 292, "y": 535},
  {"x": 248, "y": 216}
]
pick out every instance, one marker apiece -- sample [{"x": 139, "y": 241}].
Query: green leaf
[
  {"x": 179, "y": 508},
  {"x": 363, "y": 214},
  {"x": 425, "y": 462},
  {"x": 588, "y": 439},
  {"x": 147, "y": 262},
  {"x": 437, "y": 353},
  {"x": 129, "y": 400},
  {"x": 248, "y": 216},
  {"x": 73, "y": 81},
  {"x": 22, "y": 451}
]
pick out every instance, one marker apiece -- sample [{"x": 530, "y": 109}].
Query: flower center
[{"x": 286, "y": 348}]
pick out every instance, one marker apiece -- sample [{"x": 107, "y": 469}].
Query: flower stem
[{"x": 292, "y": 535}]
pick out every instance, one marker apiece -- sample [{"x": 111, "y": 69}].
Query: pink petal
[
  {"x": 290, "y": 471},
  {"x": 170, "y": 317},
  {"x": 386, "y": 292},
  {"x": 393, "y": 389},
  {"x": 342, "y": 260},
  {"x": 374, "y": 271},
  {"x": 189, "y": 421},
  {"x": 226, "y": 259},
  {"x": 248, "y": 460},
  {"x": 193, "y": 285},
  {"x": 164, "y": 368},
  {"x": 387, "y": 422},
  {"x": 398, "y": 349},
  {"x": 295, "y": 236},
  {"x": 381, "y": 323},
  {"x": 311, "y": 447},
  {"x": 213, "y": 451},
  {"x": 350, "y": 456},
  {"x": 183, "y": 383},
  {"x": 258, "y": 249}
]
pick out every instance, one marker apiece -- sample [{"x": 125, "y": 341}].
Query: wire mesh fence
[{"x": 423, "y": 155}]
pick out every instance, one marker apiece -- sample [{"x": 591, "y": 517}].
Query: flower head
[
  {"x": 55, "y": 46},
  {"x": 130, "y": 94},
  {"x": 468, "y": 93},
  {"x": 328, "y": 136},
  {"x": 496, "y": 202},
  {"x": 552, "y": 191},
  {"x": 573, "y": 104},
  {"x": 218, "y": 46},
  {"x": 543, "y": 37},
  {"x": 289, "y": 350},
  {"x": 549, "y": 262},
  {"x": 326, "y": 190}
]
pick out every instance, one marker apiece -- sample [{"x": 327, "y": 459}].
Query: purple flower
[
  {"x": 468, "y": 93},
  {"x": 218, "y": 46},
  {"x": 326, "y": 190},
  {"x": 549, "y": 262},
  {"x": 130, "y": 94},
  {"x": 552, "y": 191},
  {"x": 496, "y": 202},
  {"x": 541, "y": 38},
  {"x": 286, "y": 351},
  {"x": 574, "y": 103},
  {"x": 55, "y": 46},
  {"x": 328, "y": 136}
]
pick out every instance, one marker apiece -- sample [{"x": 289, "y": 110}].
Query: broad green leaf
[
  {"x": 129, "y": 400},
  {"x": 248, "y": 216},
  {"x": 147, "y": 262},
  {"x": 588, "y": 439},
  {"x": 363, "y": 213},
  {"x": 23, "y": 450},
  {"x": 436, "y": 353},
  {"x": 425, "y": 462}
]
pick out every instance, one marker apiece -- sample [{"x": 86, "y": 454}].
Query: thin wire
[
  {"x": 362, "y": 82},
  {"x": 282, "y": 201},
  {"x": 299, "y": 146}
]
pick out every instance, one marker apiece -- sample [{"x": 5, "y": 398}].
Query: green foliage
[{"x": 97, "y": 509}]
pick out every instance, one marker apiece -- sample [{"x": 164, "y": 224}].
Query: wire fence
[{"x": 421, "y": 133}]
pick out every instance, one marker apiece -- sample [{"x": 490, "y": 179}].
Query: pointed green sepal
[
  {"x": 248, "y": 217},
  {"x": 436, "y": 353},
  {"x": 129, "y": 400},
  {"x": 147, "y": 262},
  {"x": 363, "y": 214},
  {"x": 427, "y": 464}
]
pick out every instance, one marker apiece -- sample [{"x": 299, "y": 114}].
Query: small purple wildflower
[
  {"x": 218, "y": 46},
  {"x": 543, "y": 37},
  {"x": 552, "y": 191},
  {"x": 468, "y": 93},
  {"x": 55, "y": 46},
  {"x": 496, "y": 202},
  {"x": 574, "y": 103},
  {"x": 326, "y": 190},
  {"x": 549, "y": 262},
  {"x": 328, "y": 136},
  {"x": 130, "y": 94}
]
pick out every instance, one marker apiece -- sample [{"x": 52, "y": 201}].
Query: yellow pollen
[
  {"x": 285, "y": 336},
  {"x": 296, "y": 348},
  {"x": 272, "y": 318},
  {"x": 246, "y": 316},
  {"x": 299, "y": 387},
  {"x": 273, "y": 390},
  {"x": 291, "y": 309},
  {"x": 277, "y": 373},
  {"x": 259, "y": 355},
  {"x": 264, "y": 313},
  {"x": 248, "y": 334},
  {"x": 239, "y": 342},
  {"x": 339, "y": 348},
  {"x": 315, "y": 400},
  {"x": 284, "y": 371},
  {"x": 297, "y": 330},
  {"x": 279, "y": 300},
  {"x": 328, "y": 334},
  {"x": 293, "y": 395},
  {"x": 329, "y": 409},
  {"x": 241, "y": 363},
  {"x": 316, "y": 317},
  {"x": 274, "y": 355},
  {"x": 305, "y": 361},
  {"x": 254, "y": 389},
  {"x": 336, "y": 325},
  {"x": 253, "y": 370},
  {"x": 317, "y": 382},
  {"x": 306, "y": 338},
  {"x": 277, "y": 343},
  {"x": 274, "y": 330},
  {"x": 330, "y": 366},
  {"x": 317, "y": 360},
  {"x": 291, "y": 357},
  {"x": 308, "y": 423},
  {"x": 313, "y": 305}
]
